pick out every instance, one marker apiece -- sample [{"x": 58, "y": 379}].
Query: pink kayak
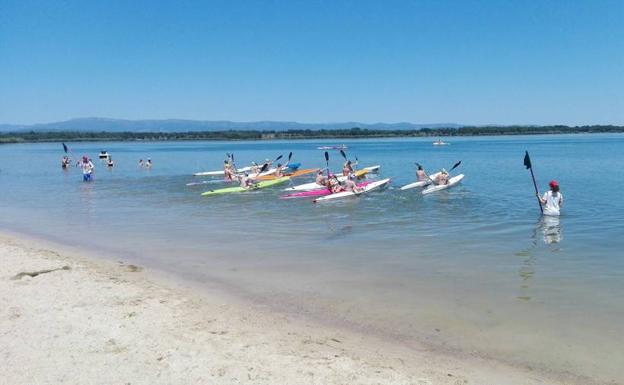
[{"x": 315, "y": 193}]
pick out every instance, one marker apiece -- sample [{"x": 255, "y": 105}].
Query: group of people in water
[{"x": 88, "y": 168}]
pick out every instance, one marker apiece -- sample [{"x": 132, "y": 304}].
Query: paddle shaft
[{"x": 539, "y": 201}]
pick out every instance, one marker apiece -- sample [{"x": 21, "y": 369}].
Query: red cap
[{"x": 553, "y": 183}]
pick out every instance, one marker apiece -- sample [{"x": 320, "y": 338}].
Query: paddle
[
  {"x": 327, "y": 163},
  {"x": 529, "y": 166}
]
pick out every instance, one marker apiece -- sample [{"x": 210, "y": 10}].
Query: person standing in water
[
  {"x": 552, "y": 200},
  {"x": 110, "y": 162},
  {"x": 141, "y": 163},
  {"x": 87, "y": 169},
  {"x": 65, "y": 162},
  {"x": 148, "y": 164}
]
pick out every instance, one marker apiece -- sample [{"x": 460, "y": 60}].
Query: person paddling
[
  {"x": 245, "y": 181},
  {"x": 552, "y": 200},
  {"x": 87, "y": 169},
  {"x": 350, "y": 184},
  {"x": 421, "y": 174},
  {"x": 279, "y": 171},
  {"x": 320, "y": 178},
  {"x": 227, "y": 170},
  {"x": 334, "y": 185},
  {"x": 442, "y": 178},
  {"x": 347, "y": 168}
]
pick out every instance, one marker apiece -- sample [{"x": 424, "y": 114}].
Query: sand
[{"x": 69, "y": 318}]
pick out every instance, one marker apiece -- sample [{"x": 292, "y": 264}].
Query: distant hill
[{"x": 180, "y": 125}]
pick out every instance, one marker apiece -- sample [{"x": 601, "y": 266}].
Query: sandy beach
[{"x": 67, "y": 318}]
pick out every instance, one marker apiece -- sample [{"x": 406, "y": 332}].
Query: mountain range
[{"x": 181, "y": 125}]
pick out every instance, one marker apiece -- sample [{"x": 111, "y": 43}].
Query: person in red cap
[
  {"x": 552, "y": 199},
  {"x": 87, "y": 169}
]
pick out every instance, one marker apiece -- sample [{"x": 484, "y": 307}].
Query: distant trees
[{"x": 355, "y": 132}]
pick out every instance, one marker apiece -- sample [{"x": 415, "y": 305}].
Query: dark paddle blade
[
  {"x": 454, "y": 167},
  {"x": 326, "y": 156},
  {"x": 343, "y": 154},
  {"x": 527, "y": 160},
  {"x": 290, "y": 156},
  {"x": 264, "y": 168},
  {"x": 232, "y": 155},
  {"x": 278, "y": 158},
  {"x": 64, "y": 148}
]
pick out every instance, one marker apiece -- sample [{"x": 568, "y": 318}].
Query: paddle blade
[
  {"x": 264, "y": 168},
  {"x": 326, "y": 156},
  {"x": 278, "y": 158},
  {"x": 64, "y": 148},
  {"x": 343, "y": 154},
  {"x": 290, "y": 156},
  {"x": 232, "y": 155},
  {"x": 527, "y": 160},
  {"x": 455, "y": 166}
]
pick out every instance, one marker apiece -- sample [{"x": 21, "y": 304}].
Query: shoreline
[{"x": 101, "y": 313}]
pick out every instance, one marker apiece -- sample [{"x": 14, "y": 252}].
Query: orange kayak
[{"x": 292, "y": 175}]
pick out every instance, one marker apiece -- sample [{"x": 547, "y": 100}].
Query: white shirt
[{"x": 553, "y": 202}]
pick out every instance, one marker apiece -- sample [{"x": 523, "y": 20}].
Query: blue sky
[{"x": 472, "y": 62}]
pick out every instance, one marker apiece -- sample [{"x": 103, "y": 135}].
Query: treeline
[{"x": 75, "y": 136}]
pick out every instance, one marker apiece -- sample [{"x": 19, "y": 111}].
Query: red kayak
[{"x": 315, "y": 193}]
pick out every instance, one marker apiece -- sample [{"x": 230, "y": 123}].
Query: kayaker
[
  {"x": 279, "y": 171},
  {"x": 268, "y": 163},
  {"x": 65, "y": 162},
  {"x": 255, "y": 168},
  {"x": 552, "y": 200},
  {"x": 227, "y": 170},
  {"x": 347, "y": 168},
  {"x": 442, "y": 177},
  {"x": 350, "y": 184},
  {"x": 320, "y": 178},
  {"x": 245, "y": 181},
  {"x": 87, "y": 169},
  {"x": 421, "y": 174},
  {"x": 334, "y": 185}
]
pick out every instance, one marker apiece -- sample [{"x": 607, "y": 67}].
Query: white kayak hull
[
  {"x": 345, "y": 194},
  {"x": 451, "y": 182},
  {"x": 372, "y": 169},
  {"x": 421, "y": 183},
  {"x": 220, "y": 173}
]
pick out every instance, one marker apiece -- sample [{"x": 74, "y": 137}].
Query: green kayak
[{"x": 257, "y": 186}]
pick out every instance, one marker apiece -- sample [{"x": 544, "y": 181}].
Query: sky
[{"x": 468, "y": 62}]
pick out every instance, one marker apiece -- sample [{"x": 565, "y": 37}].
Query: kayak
[
  {"x": 220, "y": 172},
  {"x": 421, "y": 183},
  {"x": 315, "y": 193},
  {"x": 263, "y": 184},
  {"x": 292, "y": 175},
  {"x": 369, "y": 187},
  {"x": 316, "y": 186},
  {"x": 451, "y": 182},
  {"x": 373, "y": 169}
]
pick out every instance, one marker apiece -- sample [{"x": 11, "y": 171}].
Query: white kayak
[
  {"x": 369, "y": 187},
  {"x": 451, "y": 182},
  {"x": 315, "y": 186},
  {"x": 220, "y": 173},
  {"x": 421, "y": 183}
]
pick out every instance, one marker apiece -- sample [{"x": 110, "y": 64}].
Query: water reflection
[{"x": 550, "y": 227}]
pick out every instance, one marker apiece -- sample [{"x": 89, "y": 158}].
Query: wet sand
[{"x": 69, "y": 318}]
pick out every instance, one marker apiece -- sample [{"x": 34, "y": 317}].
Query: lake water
[{"x": 471, "y": 270}]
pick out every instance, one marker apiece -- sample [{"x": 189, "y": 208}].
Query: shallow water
[{"x": 471, "y": 269}]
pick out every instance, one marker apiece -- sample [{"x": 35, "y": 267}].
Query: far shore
[
  {"x": 263, "y": 135},
  {"x": 69, "y": 318}
]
